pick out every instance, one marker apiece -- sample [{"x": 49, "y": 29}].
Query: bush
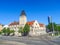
[
  {"x": 7, "y": 31},
  {"x": 20, "y": 30},
  {"x": 12, "y": 32},
  {"x": 0, "y": 32}
]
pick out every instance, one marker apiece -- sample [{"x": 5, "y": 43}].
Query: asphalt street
[{"x": 30, "y": 40}]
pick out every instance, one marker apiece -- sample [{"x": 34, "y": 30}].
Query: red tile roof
[
  {"x": 14, "y": 23},
  {"x": 30, "y": 23},
  {"x": 41, "y": 25}
]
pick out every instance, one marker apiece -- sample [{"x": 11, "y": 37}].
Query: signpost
[{"x": 50, "y": 21}]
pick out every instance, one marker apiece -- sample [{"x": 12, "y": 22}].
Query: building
[
  {"x": 1, "y": 27},
  {"x": 14, "y": 26},
  {"x": 36, "y": 28}
]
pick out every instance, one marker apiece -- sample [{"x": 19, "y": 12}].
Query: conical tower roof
[{"x": 23, "y": 13}]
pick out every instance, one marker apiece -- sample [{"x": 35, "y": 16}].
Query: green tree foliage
[
  {"x": 7, "y": 31},
  {"x": 49, "y": 26},
  {"x": 0, "y": 32},
  {"x": 26, "y": 29},
  {"x": 12, "y": 31},
  {"x": 4, "y": 31},
  {"x": 58, "y": 28},
  {"x": 20, "y": 30}
]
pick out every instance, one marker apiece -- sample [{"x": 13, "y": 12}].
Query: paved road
[
  {"x": 5, "y": 42},
  {"x": 31, "y": 40}
]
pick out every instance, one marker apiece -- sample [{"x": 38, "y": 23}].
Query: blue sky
[{"x": 35, "y": 10}]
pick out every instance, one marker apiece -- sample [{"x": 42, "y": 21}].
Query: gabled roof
[
  {"x": 30, "y": 23},
  {"x": 14, "y": 23},
  {"x": 41, "y": 25}
]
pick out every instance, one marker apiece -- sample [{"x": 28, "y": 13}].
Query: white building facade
[{"x": 36, "y": 29}]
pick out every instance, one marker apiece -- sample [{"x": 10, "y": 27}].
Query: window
[{"x": 36, "y": 23}]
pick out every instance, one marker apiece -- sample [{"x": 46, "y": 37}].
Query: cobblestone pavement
[{"x": 43, "y": 40}]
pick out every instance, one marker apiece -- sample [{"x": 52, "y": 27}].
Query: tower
[{"x": 22, "y": 19}]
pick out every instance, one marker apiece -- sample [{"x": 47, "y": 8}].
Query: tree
[
  {"x": 26, "y": 29},
  {"x": 12, "y": 32},
  {"x": 20, "y": 30},
  {"x": 49, "y": 26},
  {"x": 0, "y": 32},
  {"x": 58, "y": 28},
  {"x": 6, "y": 31}
]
